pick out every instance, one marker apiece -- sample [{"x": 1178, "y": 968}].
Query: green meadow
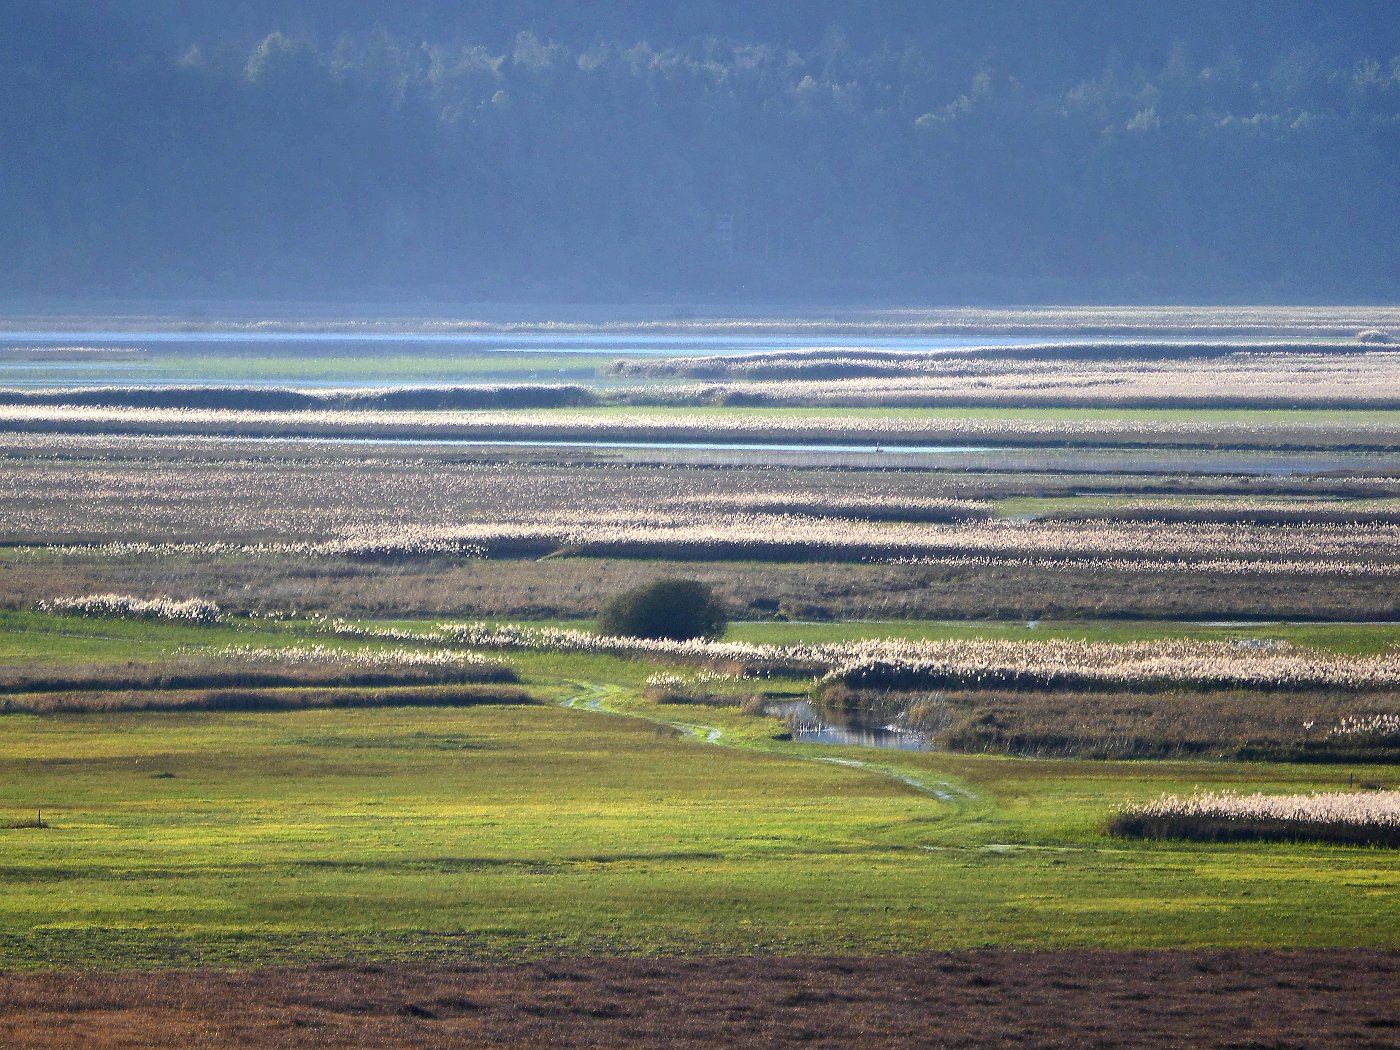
[
  {"x": 261, "y": 369},
  {"x": 612, "y": 826}
]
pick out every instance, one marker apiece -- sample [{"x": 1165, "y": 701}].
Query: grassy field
[
  {"x": 315, "y": 369},
  {"x": 247, "y": 838},
  {"x": 237, "y": 839},
  {"x": 40, "y": 637}
]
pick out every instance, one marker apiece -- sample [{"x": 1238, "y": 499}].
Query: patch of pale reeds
[
  {"x": 128, "y": 606},
  {"x": 322, "y": 655},
  {"x": 916, "y": 664},
  {"x": 1088, "y": 375},
  {"x": 733, "y": 424},
  {"x": 1358, "y": 818},
  {"x": 1373, "y": 728}
]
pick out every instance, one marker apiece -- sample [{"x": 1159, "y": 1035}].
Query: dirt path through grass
[{"x": 594, "y": 697}]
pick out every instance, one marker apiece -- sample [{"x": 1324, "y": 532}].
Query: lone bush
[{"x": 673, "y": 609}]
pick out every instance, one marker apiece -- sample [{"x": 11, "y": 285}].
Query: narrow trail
[{"x": 593, "y": 696}]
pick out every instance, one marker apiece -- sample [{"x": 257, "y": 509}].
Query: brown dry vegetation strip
[
  {"x": 1198, "y": 828},
  {"x": 227, "y": 675},
  {"x": 261, "y": 699},
  {"x": 1253, "y": 724},
  {"x": 804, "y": 591},
  {"x": 976, "y": 999}
]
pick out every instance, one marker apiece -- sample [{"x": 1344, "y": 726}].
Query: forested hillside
[{"x": 801, "y": 151}]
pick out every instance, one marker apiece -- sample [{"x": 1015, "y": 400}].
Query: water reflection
[{"x": 809, "y": 724}]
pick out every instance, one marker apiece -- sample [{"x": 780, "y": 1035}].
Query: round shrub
[{"x": 674, "y": 609}]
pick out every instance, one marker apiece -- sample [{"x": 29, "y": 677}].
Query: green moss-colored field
[
  {"x": 58, "y": 640},
  {"x": 1361, "y": 639},
  {"x": 248, "y": 838},
  {"x": 178, "y": 839},
  {"x": 264, "y": 368}
]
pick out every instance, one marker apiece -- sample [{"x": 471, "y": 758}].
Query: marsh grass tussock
[
  {"x": 127, "y": 606},
  {"x": 862, "y": 507},
  {"x": 1355, "y": 818},
  {"x": 1240, "y": 511},
  {"x": 735, "y": 424},
  {"x": 120, "y": 497},
  {"x": 802, "y": 536},
  {"x": 1324, "y": 549},
  {"x": 1102, "y": 374},
  {"x": 400, "y": 657},
  {"x": 905, "y": 664},
  {"x": 1381, "y": 728}
]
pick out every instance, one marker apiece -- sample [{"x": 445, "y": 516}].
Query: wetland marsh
[{"x": 320, "y": 683}]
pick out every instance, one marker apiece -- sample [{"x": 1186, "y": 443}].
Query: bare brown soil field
[
  {"x": 976, "y": 999},
  {"x": 571, "y": 587}
]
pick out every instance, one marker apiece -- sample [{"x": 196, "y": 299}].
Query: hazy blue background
[{"x": 797, "y": 150}]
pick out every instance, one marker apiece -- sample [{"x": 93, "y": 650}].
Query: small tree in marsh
[{"x": 674, "y": 609}]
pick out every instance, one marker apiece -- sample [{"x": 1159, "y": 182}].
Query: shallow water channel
[{"x": 809, "y": 724}]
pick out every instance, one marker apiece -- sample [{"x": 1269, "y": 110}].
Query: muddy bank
[{"x": 976, "y": 999}]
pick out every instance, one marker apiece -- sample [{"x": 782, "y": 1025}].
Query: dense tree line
[{"x": 534, "y": 153}]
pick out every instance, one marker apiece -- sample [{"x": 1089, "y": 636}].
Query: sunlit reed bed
[
  {"x": 1383, "y": 728},
  {"x": 1314, "y": 549},
  {"x": 1370, "y": 818},
  {"x": 798, "y": 535},
  {"x": 886, "y": 507},
  {"x": 128, "y": 606},
  {"x": 1154, "y": 375},
  {"x": 1236, "y": 511},
  {"x": 1214, "y": 567},
  {"x": 86, "y": 489},
  {"x": 1293, "y": 431},
  {"x": 899, "y": 663},
  {"x": 872, "y": 507},
  {"x": 818, "y": 361}
]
